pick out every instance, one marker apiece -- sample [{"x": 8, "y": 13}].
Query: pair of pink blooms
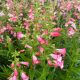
[
  {"x": 71, "y": 22},
  {"x": 58, "y": 58},
  {"x": 55, "y": 32},
  {"x": 19, "y": 64},
  {"x": 72, "y": 29},
  {"x": 42, "y": 40},
  {"x": 35, "y": 60},
  {"x": 23, "y": 76}
]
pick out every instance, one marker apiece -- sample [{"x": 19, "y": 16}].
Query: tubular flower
[
  {"x": 41, "y": 40},
  {"x": 19, "y": 35},
  {"x": 35, "y": 60},
  {"x": 62, "y": 51},
  {"x": 71, "y": 31},
  {"x": 25, "y": 63},
  {"x": 55, "y": 34},
  {"x": 24, "y": 76}
]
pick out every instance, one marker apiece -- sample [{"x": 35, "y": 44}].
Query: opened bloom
[
  {"x": 62, "y": 51},
  {"x": 41, "y": 40},
  {"x": 71, "y": 31},
  {"x": 59, "y": 63},
  {"x": 19, "y": 35},
  {"x": 24, "y": 76},
  {"x": 35, "y": 60},
  {"x": 25, "y": 63},
  {"x": 55, "y": 34}
]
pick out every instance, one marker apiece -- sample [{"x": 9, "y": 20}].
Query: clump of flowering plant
[{"x": 35, "y": 35}]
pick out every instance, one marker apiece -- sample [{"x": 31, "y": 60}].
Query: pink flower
[
  {"x": 26, "y": 25},
  {"x": 21, "y": 14},
  {"x": 58, "y": 63},
  {"x": 31, "y": 15},
  {"x": 72, "y": 19},
  {"x": 14, "y": 77},
  {"x": 18, "y": 64},
  {"x": 61, "y": 64},
  {"x": 71, "y": 31},
  {"x": 62, "y": 51},
  {"x": 24, "y": 76},
  {"x": 57, "y": 60},
  {"x": 41, "y": 49},
  {"x": 22, "y": 51},
  {"x": 25, "y": 63},
  {"x": 72, "y": 24},
  {"x": 57, "y": 57},
  {"x": 10, "y": 78},
  {"x": 69, "y": 6},
  {"x": 9, "y": 4},
  {"x": 38, "y": 53},
  {"x": 15, "y": 72},
  {"x": 57, "y": 29},
  {"x": 35, "y": 60},
  {"x": 78, "y": 7},
  {"x": 55, "y": 34},
  {"x": 9, "y": 27},
  {"x": 45, "y": 32},
  {"x": 14, "y": 19},
  {"x": 2, "y": 30},
  {"x": 41, "y": 40},
  {"x": 12, "y": 65},
  {"x": 28, "y": 46},
  {"x": 49, "y": 62},
  {"x": 19, "y": 35}
]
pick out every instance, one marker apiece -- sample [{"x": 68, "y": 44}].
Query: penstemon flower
[
  {"x": 26, "y": 25},
  {"x": 62, "y": 51},
  {"x": 15, "y": 72},
  {"x": 55, "y": 34},
  {"x": 35, "y": 60},
  {"x": 25, "y": 63},
  {"x": 71, "y": 31},
  {"x": 19, "y": 35},
  {"x": 41, "y": 49},
  {"x": 41, "y": 40},
  {"x": 24, "y": 76}
]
